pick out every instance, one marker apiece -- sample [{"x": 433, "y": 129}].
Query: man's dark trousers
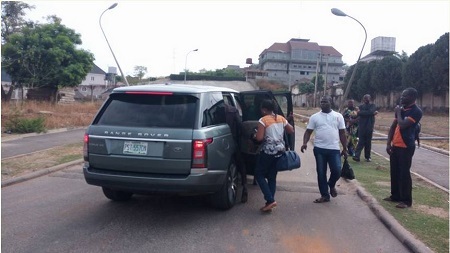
[
  {"x": 364, "y": 141},
  {"x": 401, "y": 182}
]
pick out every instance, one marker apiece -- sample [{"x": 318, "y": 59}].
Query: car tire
[
  {"x": 225, "y": 198},
  {"x": 116, "y": 195}
]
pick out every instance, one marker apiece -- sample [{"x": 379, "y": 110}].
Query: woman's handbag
[
  {"x": 289, "y": 160},
  {"x": 347, "y": 171}
]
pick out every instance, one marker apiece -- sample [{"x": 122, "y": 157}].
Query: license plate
[{"x": 135, "y": 148}]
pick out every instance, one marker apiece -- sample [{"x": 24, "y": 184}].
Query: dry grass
[
  {"x": 432, "y": 125},
  {"x": 17, "y": 166},
  {"x": 56, "y": 115}
]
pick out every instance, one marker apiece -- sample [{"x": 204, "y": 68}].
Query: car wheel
[
  {"x": 116, "y": 195},
  {"x": 225, "y": 198}
]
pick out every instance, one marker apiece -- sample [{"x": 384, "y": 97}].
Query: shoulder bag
[{"x": 289, "y": 160}]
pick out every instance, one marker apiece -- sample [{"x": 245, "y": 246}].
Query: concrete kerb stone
[
  {"x": 390, "y": 222},
  {"x": 39, "y": 173}
]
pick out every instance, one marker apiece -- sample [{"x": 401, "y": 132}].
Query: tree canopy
[
  {"x": 46, "y": 56},
  {"x": 426, "y": 70},
  {"x": 13, "y": 13},
  {"x": 140, "y": 71}
]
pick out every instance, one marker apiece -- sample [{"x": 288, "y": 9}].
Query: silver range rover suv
[{"x": 174, "y": 138}]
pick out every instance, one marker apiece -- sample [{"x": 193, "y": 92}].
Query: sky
[{"x": 160, "y": 35}]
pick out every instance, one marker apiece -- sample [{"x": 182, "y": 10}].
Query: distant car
[{"x": 168, "y": 138}]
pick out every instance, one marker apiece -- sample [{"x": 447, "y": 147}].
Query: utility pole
[{"x": 315, "y": 84}]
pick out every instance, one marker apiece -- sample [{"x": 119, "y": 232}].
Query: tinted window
[
  {"x": 168, "y": 111},
  {"x": 214, "y": 114},
  {"x": 252, "y": 104}
]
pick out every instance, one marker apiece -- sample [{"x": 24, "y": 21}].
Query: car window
[
  {"x": 252, "y": 103},
  {"x": 138, "y": 110},
  {"x": 283, "y": 103},
  {"x": 214, "y": 113}
]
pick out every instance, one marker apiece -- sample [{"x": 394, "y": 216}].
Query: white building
[{"x": 380, "y": 48}]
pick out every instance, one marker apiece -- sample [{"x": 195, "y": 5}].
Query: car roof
[{"x": 184, "y": 88}]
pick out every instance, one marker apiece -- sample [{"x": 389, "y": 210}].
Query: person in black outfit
[
  {"x": 401, "y": 145},
  {"x": 366, "y": 114},
  {"x": 234, "y": 120}
]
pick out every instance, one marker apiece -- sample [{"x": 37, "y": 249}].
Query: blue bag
[{"x": 289, "y": 160}]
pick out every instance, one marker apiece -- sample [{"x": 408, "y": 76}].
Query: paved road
[
  {"x": 29, "y": 143},
  {"x": 429, "y": 164},
  {"x": 61, "y": 213}
]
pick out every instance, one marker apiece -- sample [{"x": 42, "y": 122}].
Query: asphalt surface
[
  {"x": 16, "y": 145},
  {"x": 27, "y": 143}
]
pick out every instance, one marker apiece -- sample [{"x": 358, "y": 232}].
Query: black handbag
[
  {"x": 347, "y": 171},
  {"x": 289, "y": 160}
]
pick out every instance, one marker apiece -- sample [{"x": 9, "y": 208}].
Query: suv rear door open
[{"x": 251, "y": 102}]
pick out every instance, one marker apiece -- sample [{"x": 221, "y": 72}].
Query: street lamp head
[
  {"x": 338, "y": 12},
  {"x": 195, "y": 50},
  {"x": 112, "y": 6}
]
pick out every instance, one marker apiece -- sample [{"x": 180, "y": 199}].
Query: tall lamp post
[
  {"x": 338, "y": 12},
  {"x": 100, "y": 22},
  {"x": 185, "y": 63}
]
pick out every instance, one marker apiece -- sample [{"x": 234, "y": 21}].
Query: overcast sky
[{"x": 160, "y": 34}]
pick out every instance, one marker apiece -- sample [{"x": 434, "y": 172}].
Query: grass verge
[
  {"x": 17, "y": 166},
  {"x": 427, "y": 219}
]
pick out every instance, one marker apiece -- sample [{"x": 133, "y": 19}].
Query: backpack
[{"x": 417, "y": 132}]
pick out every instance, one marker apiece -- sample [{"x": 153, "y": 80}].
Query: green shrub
[{"x": 20, "y": 125}]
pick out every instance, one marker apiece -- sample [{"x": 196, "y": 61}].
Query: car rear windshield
[{"x": 144, "y": 110}]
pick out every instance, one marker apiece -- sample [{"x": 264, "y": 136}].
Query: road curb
[
  {"x": 403, "y": 235},
  {"x": 11, "y": 137},
  {"x": 39, "y": 173}
]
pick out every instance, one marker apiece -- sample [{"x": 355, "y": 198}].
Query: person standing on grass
[
  {"x": 366, "y": 115},
  {"x": 329, "y": 127},
  {"x": 351, "y": 124},
  {"x": 401, "y": 145},
  {"x": 270, "y": 131}
]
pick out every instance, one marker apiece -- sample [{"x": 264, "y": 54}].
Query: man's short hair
[{"x": 412, "y": 92}]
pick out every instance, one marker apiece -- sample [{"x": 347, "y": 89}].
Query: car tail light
[
  {"x": 199, "y": 153},
  {"x": 85, "y": 148}
]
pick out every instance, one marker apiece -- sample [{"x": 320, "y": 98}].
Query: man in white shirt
[{"x": 329, "y": 127}]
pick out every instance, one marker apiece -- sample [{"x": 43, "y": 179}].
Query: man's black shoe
[
  {"x": 244, "y": 197},
  {"x": 368, "y": 160},
  {"x": 356, "y": 159},
  {"x": 389, "y": 199}
]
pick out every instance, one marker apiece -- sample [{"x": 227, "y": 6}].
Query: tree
[
  {"x": 140, "y": 72},
  {"x": 306, "y": 88},
  {"x": 415, "y": 71},
  {"x": 12, "y": 22},
  {"x": 387, "y": 75},
  {"x": 13, "y": 18},
  {"x": 45, "y": 56},
  {"x": 320, "y": 82},
  {"x": 439, "y": 65},
  {"x": 358, "y": 88}
]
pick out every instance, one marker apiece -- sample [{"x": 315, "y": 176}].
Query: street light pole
[
  {"x": 340, "y": 13},
  {"x": 100, "y": 22},
  {"x": 185, "y": 63}
]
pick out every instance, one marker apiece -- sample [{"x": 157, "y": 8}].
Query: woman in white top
[{"x": 271, "y": 129}]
